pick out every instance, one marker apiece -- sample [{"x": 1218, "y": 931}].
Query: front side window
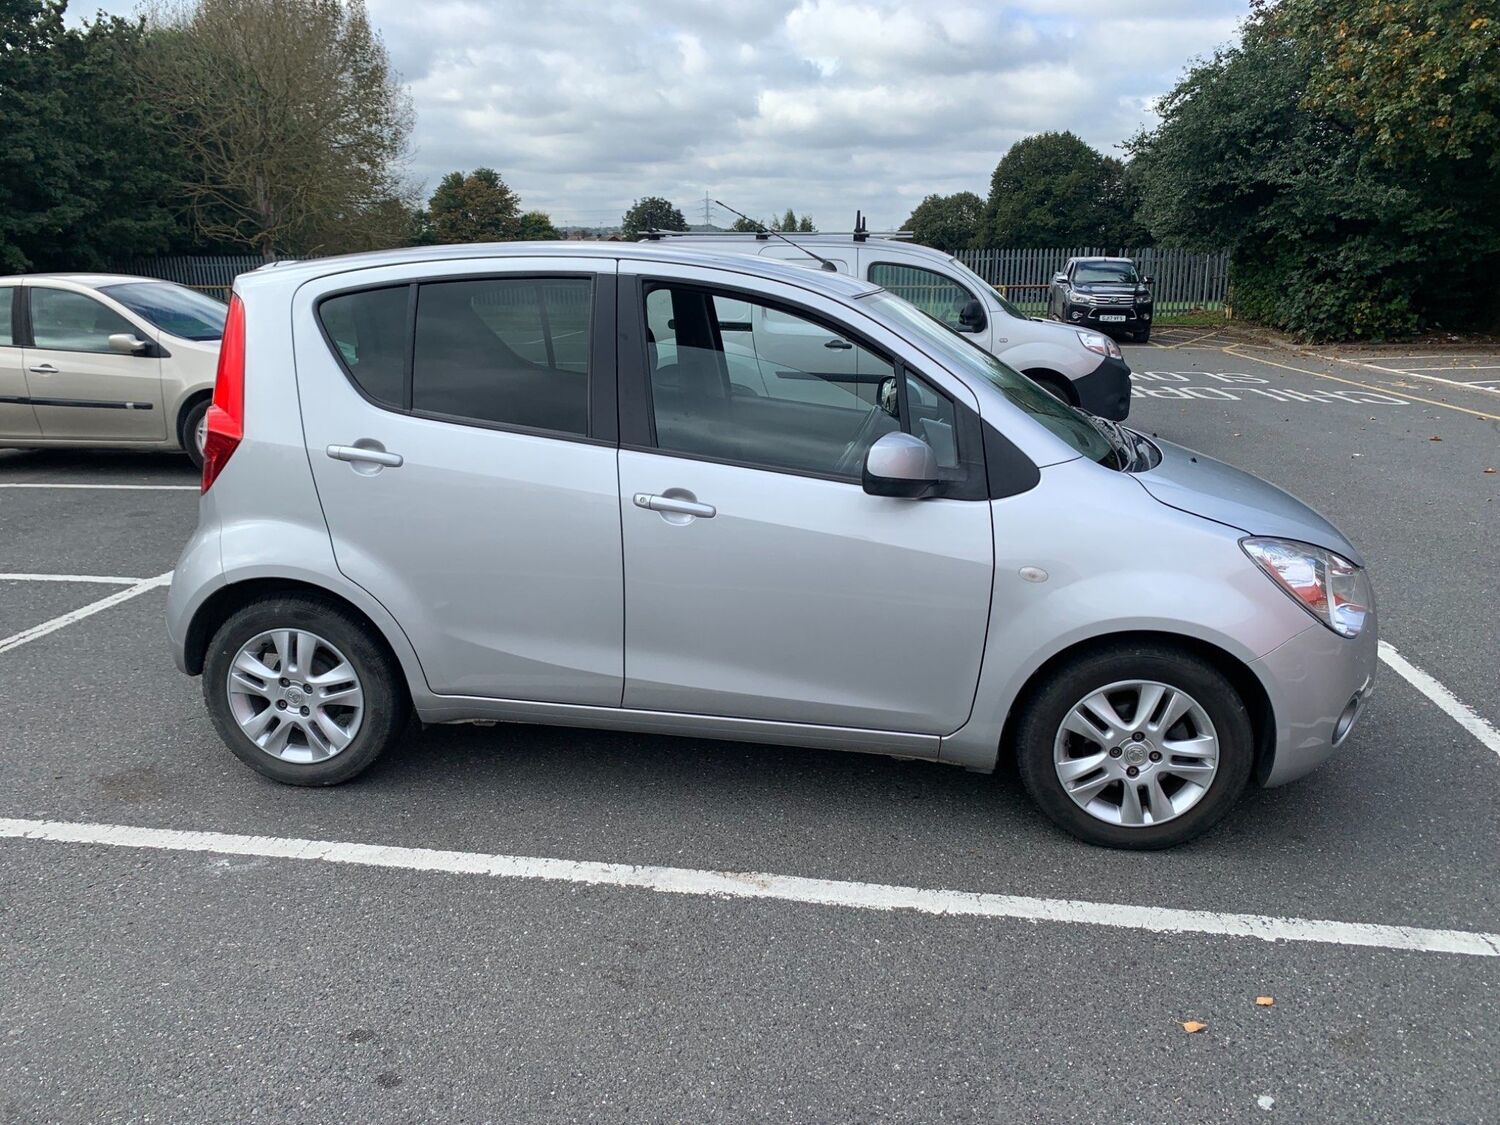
[
  {"x": 73, "y": 322},
  {"x": 1118, "y": 273},
  {"x": 172, "y": 308},
  {"x": 509, "y": 351},
  {"x": 737, "y": 380},
  {"x": 938, "y": 296}
]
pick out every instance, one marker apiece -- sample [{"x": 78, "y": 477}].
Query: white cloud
[{"x": 821, "y": 105}]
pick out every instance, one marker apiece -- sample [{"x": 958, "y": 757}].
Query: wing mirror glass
[
  {"x": 901, "y": 465},
  {"x": 971, "y": 316},
  {"x": 1059, "y": 279},
  {"x": 127, "y": 344}
]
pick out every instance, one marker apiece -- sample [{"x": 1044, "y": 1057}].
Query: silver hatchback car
[{"x": 575, "y": 484}]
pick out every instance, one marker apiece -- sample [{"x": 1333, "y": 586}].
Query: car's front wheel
[
  {"x": 302, "y": 692},
  {"x": 1135, "y": 747}
]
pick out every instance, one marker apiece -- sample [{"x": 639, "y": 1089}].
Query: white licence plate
[{"x": 1112, "y": 318}]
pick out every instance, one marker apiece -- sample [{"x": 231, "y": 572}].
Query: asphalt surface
[{"x": 150, "y": 985}]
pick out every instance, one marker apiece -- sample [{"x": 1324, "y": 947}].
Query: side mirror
[
  {"x": 127, "y": 344},
  {"x": 1059, "y": 279},
  {"x": 1147, "y": 280},
  {"x": 901, "y": 465},
  {"x": 971, "y": 316}
]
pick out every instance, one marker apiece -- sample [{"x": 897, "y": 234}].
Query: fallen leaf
[
  {"x": 1192, "y": 1027},
  {"x": 1434, "y": 437},
  {"x": 1265, "y": 1001},
  {"x": 1489, "y": 470}
]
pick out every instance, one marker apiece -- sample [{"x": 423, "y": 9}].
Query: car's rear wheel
[
  {"x": 194, "y": 431},
  {"x": 1135, "y": 747},
  {"x": 302, "y": 692}
]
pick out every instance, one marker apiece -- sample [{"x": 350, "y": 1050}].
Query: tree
[
  {"x": 536, "y": 226},
  {"x": 1332, "y": 235},
  {"x": 787, "y": 222},
  {"x": 1052, "y": 189},
  {"x": 86, "y": 169},
  {"x": 294, "y": 125},
  {"x": 948, "y": 222},
  {"x": 651, "y": 213},
  {"x": 1417, "y": 78},
  {"x": 747, "y": 226},
  {"x": 477, "y": 207},
  {"x": 805, "y": 225}
]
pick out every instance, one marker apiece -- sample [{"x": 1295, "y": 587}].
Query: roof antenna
[{"x": 826, "y": 264}]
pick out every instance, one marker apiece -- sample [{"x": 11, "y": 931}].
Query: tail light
[{"x": 226, "y": 416}]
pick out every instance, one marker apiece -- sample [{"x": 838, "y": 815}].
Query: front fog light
[
  {"x": 1328, "y": 586},
  {"x": 1345, "y": 724}
]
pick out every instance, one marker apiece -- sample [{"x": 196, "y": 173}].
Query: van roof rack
[{"x": 860, "y": 233}]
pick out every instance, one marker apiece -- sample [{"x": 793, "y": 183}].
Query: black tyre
[
  {"x": 1053, "y": 384},
  {"x": 190, "y": 432},
  {"x": 1142, "y": 336},
  {"x": 1135, "y": 747},
  {"x": 303, "y": 692}
]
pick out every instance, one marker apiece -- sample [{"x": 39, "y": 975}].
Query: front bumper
[
  {"x": 1137, "y": 317},
  {"x": 1312, "y": 680},
  {"x": 1105, "y": 391}
]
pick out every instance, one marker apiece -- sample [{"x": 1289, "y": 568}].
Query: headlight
[
  {"x": 1328, "y": 586},
  {"x": 1099, "y": 343},
  {"x": 1081, "y": 298}
]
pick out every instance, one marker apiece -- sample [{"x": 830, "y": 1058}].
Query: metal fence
[
  {"x": 211, "y": 273},
  {"x": 1182, "y": 279}
]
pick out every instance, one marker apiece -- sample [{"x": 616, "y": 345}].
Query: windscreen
[
  {"x": 172, "y": 308},
  {"x": 1067, "y": 423},
  {"x": 1117, "y": 272}
]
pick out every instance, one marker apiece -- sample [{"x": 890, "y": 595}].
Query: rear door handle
[
  {"x": 675, "y": 504},
  {"x": 369, "y": 456},
  {"x": 43, "y": 369}
]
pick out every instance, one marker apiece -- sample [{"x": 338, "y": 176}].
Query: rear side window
[
  {"x": 7, "y": 302},
  {"x": 938, "y": 296},
  {"x": 507, "y": 351},
  {"x": 368, "y": 331}
]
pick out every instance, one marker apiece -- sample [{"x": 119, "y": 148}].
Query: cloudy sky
[{"x": 820, "y": 105}]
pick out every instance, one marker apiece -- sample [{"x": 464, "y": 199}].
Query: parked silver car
[
  {"x": 105, "y": 361},
  {"x": 562, "y": 483}
]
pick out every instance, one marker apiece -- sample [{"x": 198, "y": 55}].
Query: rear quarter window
[{"x": 367, "y": 331}]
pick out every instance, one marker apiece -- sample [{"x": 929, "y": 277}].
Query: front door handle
[
  {"x": 358, "y": 453},
  {"x": 43, "y": 369},
  {"x": 675, "y": 504},
  {"x": 838, "y": 345}
]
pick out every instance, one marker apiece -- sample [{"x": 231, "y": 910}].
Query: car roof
[
  {"x": 834, "y": 284},
  {"x": 92, "y": 280}
]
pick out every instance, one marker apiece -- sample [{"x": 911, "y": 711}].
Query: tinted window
[
  {"x": 7, "y": 300},
  {"x": 742, "y": 381},
  {"x": 69, "y": 321},
  {"x": 513, "y": 351},
  {"x": 368, "y": 330},
  {"x": 1089, "y": 272},
  {"x": 173, "y": 308},
  {"x": 939, "y": 297}
]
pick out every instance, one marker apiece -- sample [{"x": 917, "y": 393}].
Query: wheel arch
[
  {"x": 1051, "y": 378},
  {"x": 1244, "y": 681},
  {"x": 184, "y": 408}
]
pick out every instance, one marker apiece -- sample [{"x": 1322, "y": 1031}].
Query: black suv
[{"x": 1102, "y": 293}]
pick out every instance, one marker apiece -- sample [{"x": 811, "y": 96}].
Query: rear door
[
  {"x": 16, "y": 417},
  {"x": 461, "y": 431},
  {"x": 81, "y": 389}
]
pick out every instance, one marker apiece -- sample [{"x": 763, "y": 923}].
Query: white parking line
[
  {"x": 16, "y": 640},
  {"x": 1416, "y": 374},
  {"x": 103, "y": 579},
  {"x": 1460, "y": 367},
  {"x": 116, "y": 487},
  {"x": 1477, "y": 725},
  {"x": 784, "y": 888}
]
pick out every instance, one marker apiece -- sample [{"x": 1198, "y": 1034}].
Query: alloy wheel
[
  {"x": 1136, "y": 753},
  {"x": 295, "y": 696}
]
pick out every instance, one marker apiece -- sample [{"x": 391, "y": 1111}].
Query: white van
[{"x": 1078, "y": 365}]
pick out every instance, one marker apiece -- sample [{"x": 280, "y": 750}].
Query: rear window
[
  {"x": 510, "y": 351},
  {"x": 496, "y": 351},
  {"x": 368, "y": 331}
]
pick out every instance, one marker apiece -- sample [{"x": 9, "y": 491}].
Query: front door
[
  {"x": 761, "y": 581},
  {"x": 82, "y": 389},
  {"x": 472, "y": 488}
]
